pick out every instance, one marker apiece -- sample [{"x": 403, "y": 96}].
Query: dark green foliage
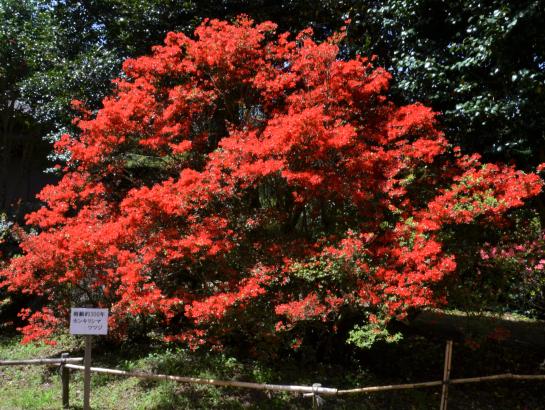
[
  {"x": 46, "y": 61},
  {"x": 481, "y": 63},
  {"x": 44, "y": 64}
]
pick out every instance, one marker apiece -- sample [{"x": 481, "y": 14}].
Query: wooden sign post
[{"x": 88, "y": 322}]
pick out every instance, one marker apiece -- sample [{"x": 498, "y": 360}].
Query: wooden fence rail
[
  {"x": 224, "y": 383},
  {"x": 505, "y": 376},
  {"x": 65, "y": 363},
  {"x": 56, "y": 361}
]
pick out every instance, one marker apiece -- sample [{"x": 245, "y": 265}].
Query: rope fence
[{"x": 315, "y": 391}]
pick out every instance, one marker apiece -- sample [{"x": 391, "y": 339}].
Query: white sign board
[{"x": 88, "y": 321}]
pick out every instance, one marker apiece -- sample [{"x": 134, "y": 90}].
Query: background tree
[
  {"x": 481, "y": 64},
  {"x": 43, "y": 68},
  {"x": 20, "y": 55}
]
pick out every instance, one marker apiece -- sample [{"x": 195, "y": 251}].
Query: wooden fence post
[
  {"x": 87, "y": 373},
  {"x": 317, "y": 401},
  {"x": 65, "y": 382},
  {"x": 446, "y": 375}
]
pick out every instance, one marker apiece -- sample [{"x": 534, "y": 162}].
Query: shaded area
[
  {"x": 510, "y": 330},
  {"x": 24, "y": 174}
]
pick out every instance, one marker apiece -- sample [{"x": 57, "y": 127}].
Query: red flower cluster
[{"x": 241, "y": 176}]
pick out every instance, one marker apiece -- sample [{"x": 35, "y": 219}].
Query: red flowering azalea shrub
[{"x": 243, "y": 182}]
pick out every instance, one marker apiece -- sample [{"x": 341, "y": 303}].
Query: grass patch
[{"x": 30, "y": 387}]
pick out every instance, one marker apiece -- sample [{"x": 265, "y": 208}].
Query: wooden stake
[
  {"x": 315, "y": 397},
  {"x": 87, "y": 373},
  {"x": 446, "y": 375},
  {"x": 65, "y": 382}
]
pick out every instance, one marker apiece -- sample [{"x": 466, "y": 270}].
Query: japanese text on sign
[{"x": 88, "y": 321}]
